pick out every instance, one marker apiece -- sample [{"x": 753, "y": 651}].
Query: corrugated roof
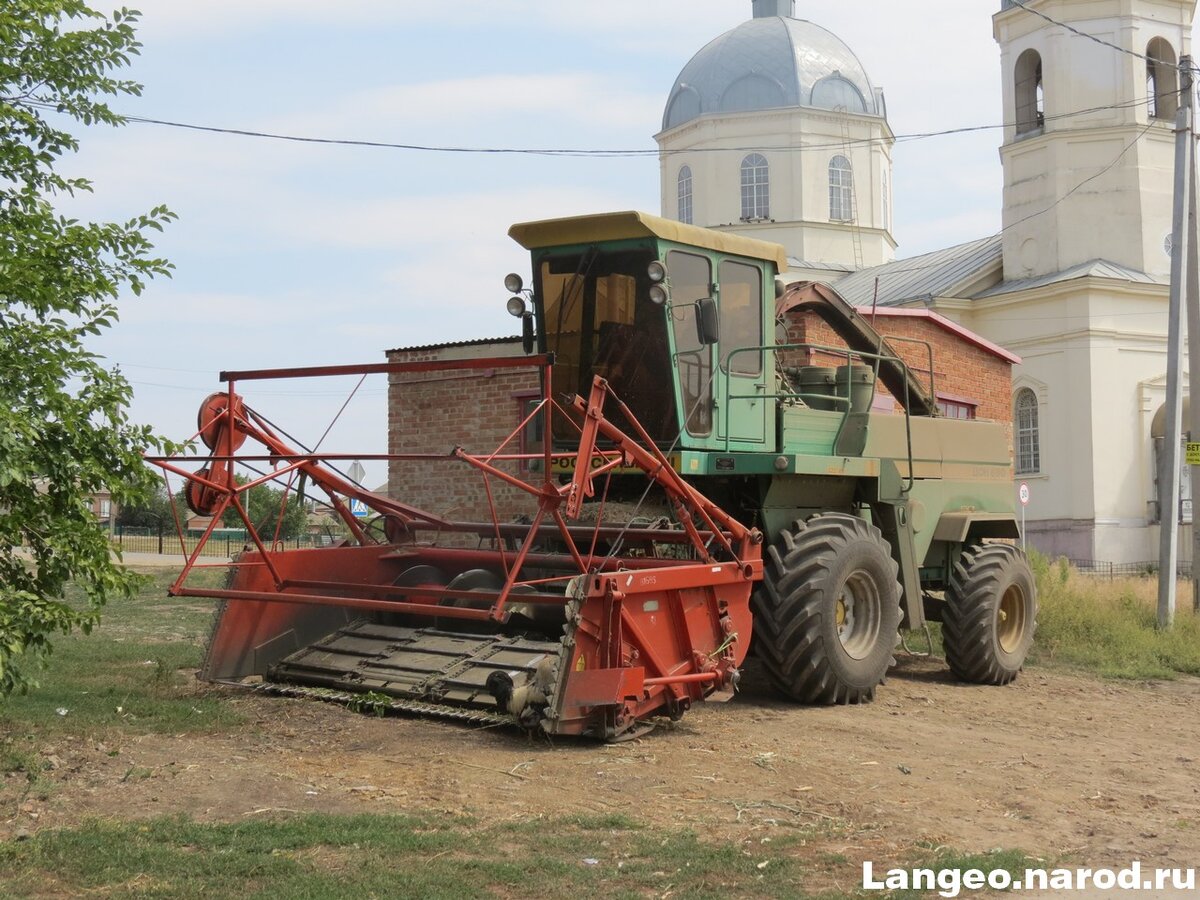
[
  {"x": 934, "y": 274},
  {"x": 794, "y": 263},
  {"x": 949, "y": 325},
  {"x": 477, "y": 342},
  {"x": 1094, "y": 268}
]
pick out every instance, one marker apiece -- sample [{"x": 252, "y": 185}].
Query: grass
[
  {"x": 322, "y": 856},
  {"x": 316, "y": 856},
  {"x": 131, "y": 674},
  {"x": 1103, "y": 627},
  {"x": 1109, "y": 627}
]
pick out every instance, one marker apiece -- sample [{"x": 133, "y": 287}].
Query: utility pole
[
  {"x": 1193, "y": 320},
  {"x": 1183, "y": 277}
]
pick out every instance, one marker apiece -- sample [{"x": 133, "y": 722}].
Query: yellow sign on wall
[{"x": 1192, "y": 457}]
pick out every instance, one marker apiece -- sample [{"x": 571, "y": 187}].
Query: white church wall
[{"x": 798, "y": 144}]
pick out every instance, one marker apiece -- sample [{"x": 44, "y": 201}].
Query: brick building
[
  {"x": 971, "y": 377},
  {"x": 434, "y": 412}
]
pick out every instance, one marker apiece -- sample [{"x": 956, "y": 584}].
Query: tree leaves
[{"x": 64, "y": 426}]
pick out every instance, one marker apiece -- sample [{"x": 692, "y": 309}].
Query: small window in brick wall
[{"x": 956, "y": 407}]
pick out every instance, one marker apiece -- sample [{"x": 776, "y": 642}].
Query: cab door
[
  {"x": 691, "y": 281},
  {"x": 744, "y": 366}
]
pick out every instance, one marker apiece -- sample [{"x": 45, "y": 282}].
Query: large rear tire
[
  {"x": 827, "y": 613},
  {"x": 990, "y": 614}
]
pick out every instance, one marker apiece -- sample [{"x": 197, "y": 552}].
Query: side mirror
[
  {"x": 708, "y": 329},
  {"x": 527, "y": 333}
]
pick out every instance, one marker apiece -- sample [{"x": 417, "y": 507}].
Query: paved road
[{"x": 163, "y": 560}]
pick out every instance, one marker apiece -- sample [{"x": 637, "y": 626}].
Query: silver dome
[{"x": 767, "y": 63}]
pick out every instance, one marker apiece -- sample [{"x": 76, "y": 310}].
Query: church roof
[
  {"x": 771, "y": 62},
  {"x": 957, "y": 272},
  {"x": 937, "y": 274},
  {"x": 1095, "y": 268}
]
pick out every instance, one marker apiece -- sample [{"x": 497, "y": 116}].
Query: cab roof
[{"x": 617, "y": 226}]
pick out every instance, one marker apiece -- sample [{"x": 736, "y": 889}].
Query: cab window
[
  {"x": 741, "y": 317},
  {"x": 691, "y": 280}
]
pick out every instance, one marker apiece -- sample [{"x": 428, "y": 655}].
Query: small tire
[
  {"x": 990, "y": 615},
  {"x": 827, "y": 613}
]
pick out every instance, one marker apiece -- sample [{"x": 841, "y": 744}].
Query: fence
[
  {"x": 219, "y": 545},
  {"x": 1126, "y": 570}
]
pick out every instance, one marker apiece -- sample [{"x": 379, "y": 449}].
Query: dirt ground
[{"x": 1063, "y": 767}]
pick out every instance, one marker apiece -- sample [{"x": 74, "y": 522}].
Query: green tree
[
  {"x": 64, "y": 427},
  {"x": 263, "y": 505},
  {"x": 154, "y": 512}
]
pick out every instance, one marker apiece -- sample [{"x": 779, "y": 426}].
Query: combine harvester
[{"x": 662, "y": 385}]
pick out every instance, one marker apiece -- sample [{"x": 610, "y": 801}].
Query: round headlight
[
  {"x": 513, "y": 283},
  {"x": 658, "y": 294},
  {"x": 516, "y": 306},
  {"x": 657, "y": 271}
]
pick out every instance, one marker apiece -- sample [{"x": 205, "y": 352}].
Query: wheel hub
[
  {"x": 858, "y": 614},
  {"x": 1010, "y": 619}
]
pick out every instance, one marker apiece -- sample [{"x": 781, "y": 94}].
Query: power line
[
  {"x": 1021, "y": 4},
  {"x": 596, "y": 153},
  {"x": 309, "y": 394},
  {"x": 1090, "y": 178},
  {"x": 1129, "y": 146}
]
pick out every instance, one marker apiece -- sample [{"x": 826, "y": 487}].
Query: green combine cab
[{"x": 875, "y": 521}]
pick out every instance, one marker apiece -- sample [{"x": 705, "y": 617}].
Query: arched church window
[
  {"x": 1031, "y": 111},
  {"x": 1162, "y": 80},
  {"x": 841, "y": 190},
  {"x": 838, "y": 93},
  {"x": 684, "y": 195},
  {"x": 756, "y": 188},
  {"x": 1029, "y": 450}
]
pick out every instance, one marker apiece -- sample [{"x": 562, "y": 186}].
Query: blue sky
[{"x": 290, "y": 254}]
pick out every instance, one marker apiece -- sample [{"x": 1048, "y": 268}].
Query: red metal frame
[{"x": 651, "y": 634}]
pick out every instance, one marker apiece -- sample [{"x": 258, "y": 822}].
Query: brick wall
[
  {"x": 962, "y": 370},
  {"x": 433, "y": 412}
]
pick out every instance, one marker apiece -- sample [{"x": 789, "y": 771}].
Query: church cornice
[
  {"x": 1137, "y": 341},
  {"x": 1157, "y": 129},
  {"x": 810, "y": 113},
  {"x": 1060, "y": 289}
]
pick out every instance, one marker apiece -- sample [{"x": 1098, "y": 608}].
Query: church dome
[{"x": 772, "y": 62}]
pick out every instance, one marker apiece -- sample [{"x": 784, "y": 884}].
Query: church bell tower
[{"x": 1088, "y": 151}]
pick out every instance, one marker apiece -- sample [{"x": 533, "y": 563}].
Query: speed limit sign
[{"x": 1023, "y": 494}]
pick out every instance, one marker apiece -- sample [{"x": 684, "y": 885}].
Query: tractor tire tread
[
  {"x": 977, "y": 580},
  {"x": 789, "y": 620}
]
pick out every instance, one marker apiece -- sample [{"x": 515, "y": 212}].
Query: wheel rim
[
  {"x": 858, "y": 614},
  {"x": 1010, "y": 619}
]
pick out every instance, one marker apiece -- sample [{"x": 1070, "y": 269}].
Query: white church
[{"x": 1076, "y": 283}]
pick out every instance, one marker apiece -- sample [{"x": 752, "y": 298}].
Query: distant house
[{"x": 103, "y": 508}]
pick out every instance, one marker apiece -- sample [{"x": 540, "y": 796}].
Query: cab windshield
[{"x": 597, "y": 318}]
